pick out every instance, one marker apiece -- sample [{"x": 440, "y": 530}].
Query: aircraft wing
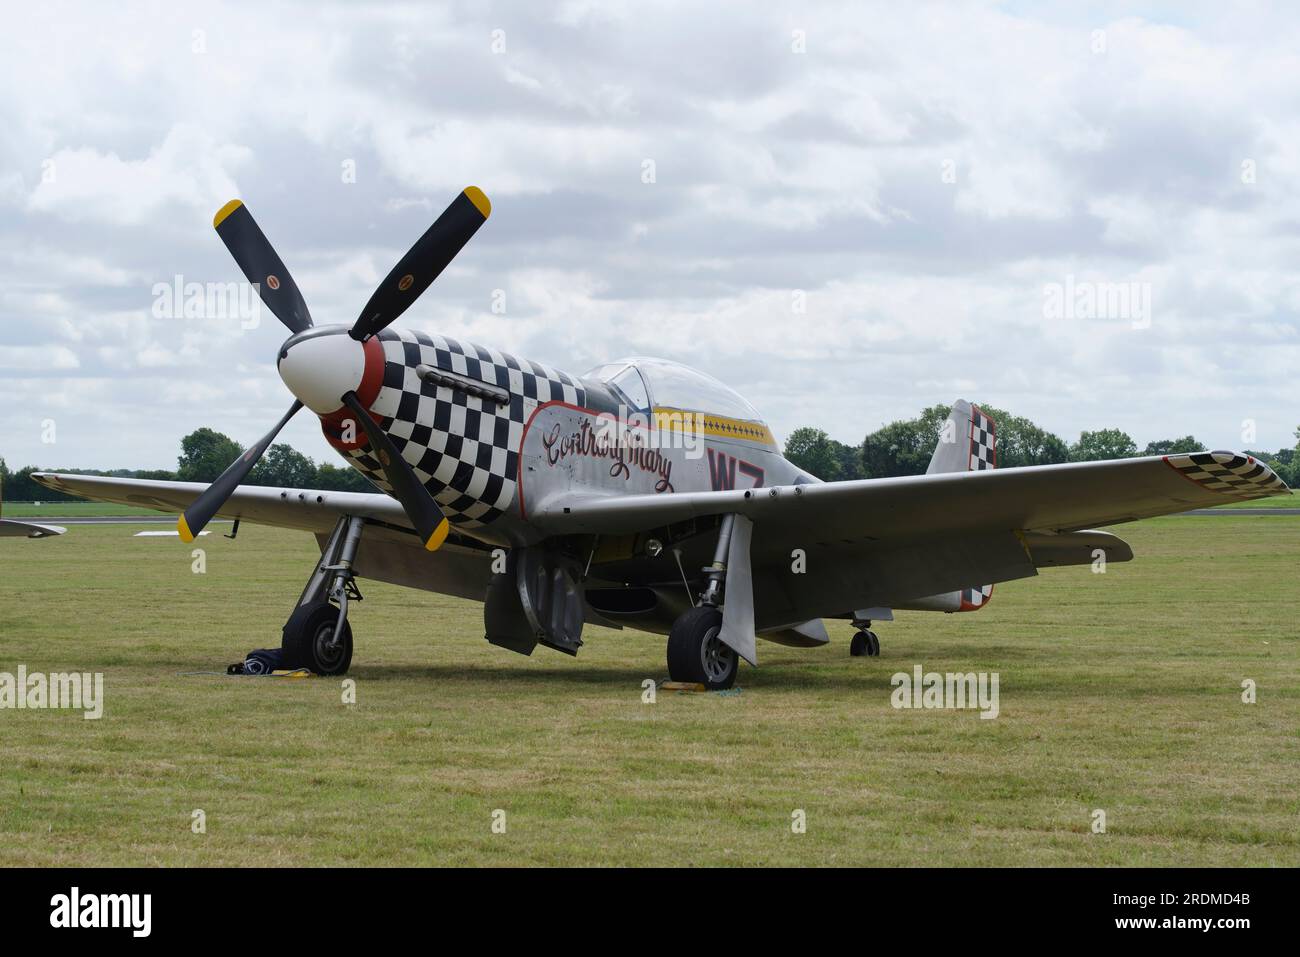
[
  {"x": 1049, "y": 498},
  {"x": 874, "y": 541},
  {"x": 306, "y": 509},
  {"x": 12, "y": 529}
]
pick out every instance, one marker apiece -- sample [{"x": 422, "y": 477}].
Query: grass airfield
[{"x": 1119, "y": 692}]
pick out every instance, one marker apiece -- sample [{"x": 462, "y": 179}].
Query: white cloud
[
  {"x": 27, "y": 359},
  {"x": 776, "y": 171},
  {"x": 189, "y": 169}
]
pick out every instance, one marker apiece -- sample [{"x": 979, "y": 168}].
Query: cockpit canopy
[{"x": 662, "y": 384}]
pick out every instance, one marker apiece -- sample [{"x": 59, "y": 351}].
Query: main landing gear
[
  {"x": 864, "y": 643},
  {"x": 695, "y": 653},
  {"x": 317, "y": 635}
]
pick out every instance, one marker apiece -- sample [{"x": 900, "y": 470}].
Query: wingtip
[
  {"x": 225, "y": 211},
  {"x": 480, "y": 201}
]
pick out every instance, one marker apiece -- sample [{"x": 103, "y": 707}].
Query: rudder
[{"x": 967, "y": 443}]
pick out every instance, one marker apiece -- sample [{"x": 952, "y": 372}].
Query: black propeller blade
[
  {"x": 260, "y": 263},
  {"x": 430, "y": 523},
  {"x": 214, "y": 496},
  {"x": 425, "y": 260}
]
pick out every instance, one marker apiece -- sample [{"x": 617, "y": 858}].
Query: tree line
[
  {"x": 904, "y": 448},
  {"x": 899, "y": 448},
  {"x": 205, "y": 454}
]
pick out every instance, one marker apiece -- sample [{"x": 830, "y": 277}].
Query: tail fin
[{"x": 967, "y": 441}]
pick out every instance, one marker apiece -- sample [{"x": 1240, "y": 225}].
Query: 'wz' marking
[{"x": 722, "y": 471}]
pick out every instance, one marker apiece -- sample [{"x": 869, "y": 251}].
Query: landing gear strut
[
  {"x": 864, "y": 643},
  {"x": 317, "y": 635},
  {"x": 695, "y": 653}
]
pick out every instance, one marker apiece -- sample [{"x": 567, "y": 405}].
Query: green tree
[
  {"x": 848, "y": 460},
  {"x": 1171, "y": 446},
  {"x": 903, "y": 447},
  {"x": 1287, "y": 463},
  {"x": 333, "y": 478},
  {"x": 814, "y": 452},
  {"x": 1102, "y": 445},
  {"x": 284, "y": 466},
  {"x": 205, "y": 454},
  {"x": 21, "y": 487},
  {"x": 1021, "y": 442}
]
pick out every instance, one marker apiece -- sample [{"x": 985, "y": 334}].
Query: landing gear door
[{"x": 551, "y": 599}]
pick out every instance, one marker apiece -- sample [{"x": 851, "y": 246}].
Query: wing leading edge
[
  {"x": 1045, "y": 498},
  {"x": 309, "y": 510}
]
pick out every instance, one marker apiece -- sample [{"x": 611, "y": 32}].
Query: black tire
[
  {"x": 873, "y": 644},
  {"x": 696, "y": 655},
  {"x": 859, "y": 646},
  {"x": 307, "y": 637}
]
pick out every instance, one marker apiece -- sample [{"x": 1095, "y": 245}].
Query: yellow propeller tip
[
  {"x": 183, "y": 529},
  {"x": 225, "y": 211},
  {"x": 438, "y": 537},
  {"x": 479, "y": 200}
]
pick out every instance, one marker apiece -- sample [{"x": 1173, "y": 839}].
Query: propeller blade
[
  {"x": 261, "y": 264},
  {"x": 430, "y": 523},
  {"x": 423, "y": 262},
  {"x": 214, "y": 496}
]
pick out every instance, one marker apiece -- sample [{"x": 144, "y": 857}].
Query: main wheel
[
  {"x": 696, "y": 655},
  {"x": 308, "y": 640},
  {"x": 873, "y": 644}
]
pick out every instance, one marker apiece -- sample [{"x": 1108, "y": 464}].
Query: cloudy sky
[{"x": 851, "y": 212}]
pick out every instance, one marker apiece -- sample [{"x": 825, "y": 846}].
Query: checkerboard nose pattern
[{"x": 463, "y": 447}]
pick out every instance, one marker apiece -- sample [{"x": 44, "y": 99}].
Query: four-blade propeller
[
  {"x": 261, "y": 265},
  {"x": 214, "y": 496},
  {"x": 413, "y": 274},
  {"x": 425, "y": 260},
  {"x": 430, "y": 524}
]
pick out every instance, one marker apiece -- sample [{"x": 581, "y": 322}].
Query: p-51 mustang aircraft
[{"x": 643, "y": 494}]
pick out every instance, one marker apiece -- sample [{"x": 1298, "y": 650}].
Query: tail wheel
[
  {"x": 864, "y": 644},
  {"x": 309, "y": 641},
  {"x": 697, "y": 655}
]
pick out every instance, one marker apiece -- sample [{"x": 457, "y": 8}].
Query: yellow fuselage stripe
[{"x": 717, "y": 426}]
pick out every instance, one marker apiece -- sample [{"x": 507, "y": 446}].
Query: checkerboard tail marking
[
  {"x": 983, "y": 455},
  {"x": 973, "y": 599},
  {"x": 983, "y": 441}
]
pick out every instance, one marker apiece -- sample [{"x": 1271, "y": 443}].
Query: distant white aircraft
[
  {"x": 11, "y": 529},
  {"x": 642, "y": 494}
]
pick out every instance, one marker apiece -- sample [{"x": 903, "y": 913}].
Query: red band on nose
[{"x": 372, "y": 380}]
